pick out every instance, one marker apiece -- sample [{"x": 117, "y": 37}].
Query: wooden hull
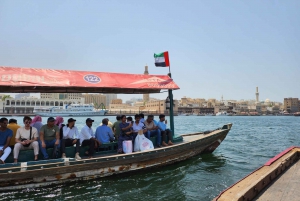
[
  {"x": 278, "y": 179},
  {"x": 37, "y": 174}
]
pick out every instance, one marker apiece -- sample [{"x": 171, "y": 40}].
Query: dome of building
[{"x": 267, "y": 100}]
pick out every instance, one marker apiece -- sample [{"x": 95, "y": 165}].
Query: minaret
[
  {"x": 146, "y": 96},
  {"x": 257, "y": 95}
]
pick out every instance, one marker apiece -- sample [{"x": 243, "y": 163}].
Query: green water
[{"x": 251, "y": 142}]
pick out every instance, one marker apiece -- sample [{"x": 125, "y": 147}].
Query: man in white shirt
[
  {"x": 26, "y": 138},
  {"x": 87, "y": 138},
  {"x": 70, "y": 137}
]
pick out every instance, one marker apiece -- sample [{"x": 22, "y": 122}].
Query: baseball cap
[
  {"x": 71, "y": 120},
  {"x": 89, "y": 119},
  {"x": 51, "y": 119}
]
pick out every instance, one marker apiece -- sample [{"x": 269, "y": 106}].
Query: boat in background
[
  {"x": 210, "y": 114},
  {"x": 80, "y": 110},
  {"x": 297, "y": 114},
  {"x": 222, "y": 114}
]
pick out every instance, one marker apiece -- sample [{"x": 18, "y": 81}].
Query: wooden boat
[
  {"x": 278, "y": 179},
  {"x": 27, "y": 173}
]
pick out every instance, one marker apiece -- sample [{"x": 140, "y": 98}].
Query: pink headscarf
[
  {"x": 58, "y": 121},
  {"x": 36, "y": 119}
]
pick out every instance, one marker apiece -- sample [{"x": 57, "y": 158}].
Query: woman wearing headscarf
[
  {"x": 37, "y": 123},
  {"x": 59, "y": 122}
]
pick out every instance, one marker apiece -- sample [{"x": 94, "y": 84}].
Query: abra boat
[
  {"x": 28, "y": 173},
  {"x": 69, "y": 110},
  {"x": 278, "y": 179}
]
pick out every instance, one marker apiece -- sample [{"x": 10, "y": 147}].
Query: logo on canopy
[{"x": 93, "y": 79}]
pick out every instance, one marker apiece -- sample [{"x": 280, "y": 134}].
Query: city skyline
[{"x": 215, "y": 48}]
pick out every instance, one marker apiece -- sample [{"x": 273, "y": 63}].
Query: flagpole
[{"x": 171, "y": 107}]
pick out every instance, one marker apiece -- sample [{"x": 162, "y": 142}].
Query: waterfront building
[
  {"x": 99, "y": 100},
  {"x": 109, "y": 98},
  {"x": 26, "y": 105},
  {"x": 159, "y": 107},
  {"x": 21, "y": 95},
  {"x": 118, "y": 107},
  {"x": 291, "y": 105},
  {"x": 117, "y": 101},
  {"x": 62, "y": 96}
]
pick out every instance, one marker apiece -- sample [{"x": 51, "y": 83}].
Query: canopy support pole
[{"x": 171, "y": 109}]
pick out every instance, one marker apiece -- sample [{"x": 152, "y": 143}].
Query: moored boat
[
  {"x": 297, "y": 114},
  {"x": 222, "y": 114},
  {"x": 278, "y": 179},
  {"x": 81, "y": 110}
]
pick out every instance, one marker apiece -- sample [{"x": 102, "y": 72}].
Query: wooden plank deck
[{"x": 285, "y": 188}]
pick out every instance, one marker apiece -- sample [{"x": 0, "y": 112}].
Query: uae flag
[{"x": 162, "y": 59}]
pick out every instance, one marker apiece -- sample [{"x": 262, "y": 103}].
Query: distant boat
[
  {"x": 70, "y": 110},
  {"x": 210, "y": 114},
  {"x": 297, "y": 114},
  {"x": 222, "y": 114}
]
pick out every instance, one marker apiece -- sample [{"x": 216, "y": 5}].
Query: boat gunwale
[
  {"x": 294, "y": 150},
  {"x": 72, "y": 162}
]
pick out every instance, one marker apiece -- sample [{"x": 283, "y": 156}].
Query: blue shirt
[
  {"x": 124, "y": 125},
  {"x": 104, "y": 134},
  {"x": 155, "y": 122},
  {"x": 161, "y": 125},
  {"x": 4, "y": 135}
]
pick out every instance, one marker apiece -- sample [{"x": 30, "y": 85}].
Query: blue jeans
[
  {"x": 156, "y": 133},
  {"x": 49, "y": 144}
]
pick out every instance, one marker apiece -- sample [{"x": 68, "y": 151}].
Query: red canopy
[{"x": 17, "y": 80}]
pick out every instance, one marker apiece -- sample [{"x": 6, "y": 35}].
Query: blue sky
[{"x": 216, "y": 47}]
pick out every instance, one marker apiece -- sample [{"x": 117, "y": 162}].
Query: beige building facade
[
  {"x": 99, "y": 100},
  {"x": 291, "y": 105}
]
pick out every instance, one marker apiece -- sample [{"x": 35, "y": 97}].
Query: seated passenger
[
  {"x": 152, "y": 130},
  {"x": 49, "y": 138},
  {"x": 59, "y": 121},
  {"x": 5, "y": 136},
  {"x": 104, "y": 133},
  {"x": 129, "y": 120},
  {"x": 37, "y": 123},
  {"x": 109, "y": 124},
  {"x": 138, "y": 125},
  {"x": 87, "y": 138},
  {"x": 70, "y": 137},
  {"x": 162, "y": 125},
  {"x": 116, "y": 127},
  {"x": 13, "y": 125},
  {"x": 142, "y": 118},
  {"x": 126, "y": 133},
  {"x": 26, "y": 138}
]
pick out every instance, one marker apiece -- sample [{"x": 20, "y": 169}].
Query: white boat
[
  {"x": 222, "y": 114},
  {"x": 210, "y": 114},
  {"x": 69, "y": 110}
]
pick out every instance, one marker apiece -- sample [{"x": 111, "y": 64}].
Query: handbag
[{"x": 23, "y": 139}]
